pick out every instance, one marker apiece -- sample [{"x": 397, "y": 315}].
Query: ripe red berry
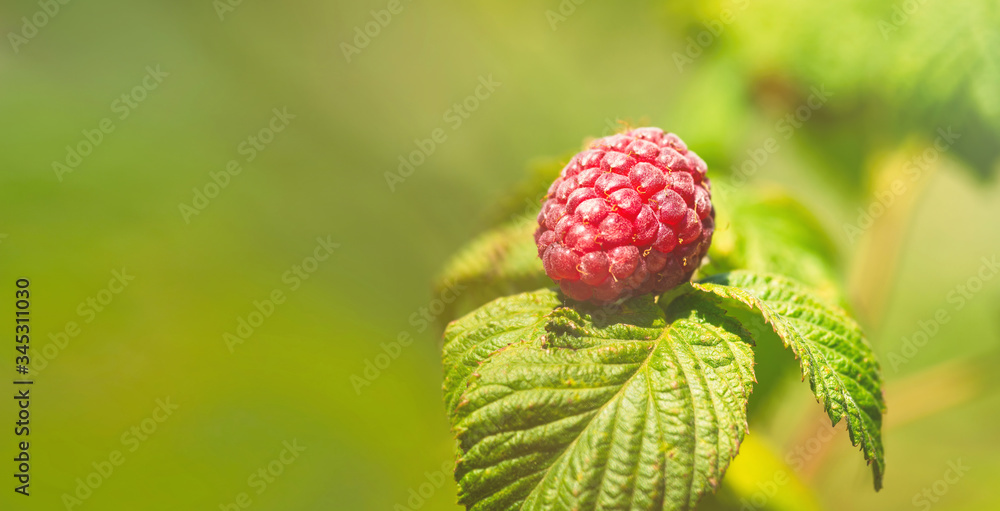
[{"x": 631, "y": 214}]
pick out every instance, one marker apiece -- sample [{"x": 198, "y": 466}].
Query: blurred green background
[{"x": 725, "y": 76}]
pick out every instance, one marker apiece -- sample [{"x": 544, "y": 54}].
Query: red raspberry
[{"x": 631, "y": 214}]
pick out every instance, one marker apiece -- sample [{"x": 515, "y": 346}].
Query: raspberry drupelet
[{"x": 631, "y": 214}]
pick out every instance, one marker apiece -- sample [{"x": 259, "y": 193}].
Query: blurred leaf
[
  {"x": 832, "y": 352},
  {"x": 639, "y": 408},
  {"x": 771, "y": 232},
  {"x": 920, "y": 65}
]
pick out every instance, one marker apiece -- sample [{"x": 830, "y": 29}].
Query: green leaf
[
  {"x": 632, "y": 408},
  {"x": 832, "y": 352}
]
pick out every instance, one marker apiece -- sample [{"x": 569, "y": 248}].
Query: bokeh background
[{"x": 723, "y": 75}]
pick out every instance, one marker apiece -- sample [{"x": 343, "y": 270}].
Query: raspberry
[{"x": 631, "y": 214}]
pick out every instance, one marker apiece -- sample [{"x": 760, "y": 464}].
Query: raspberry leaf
[
  {"x": 554, "y": 407},
  {"x": 833, "y": 353}
]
